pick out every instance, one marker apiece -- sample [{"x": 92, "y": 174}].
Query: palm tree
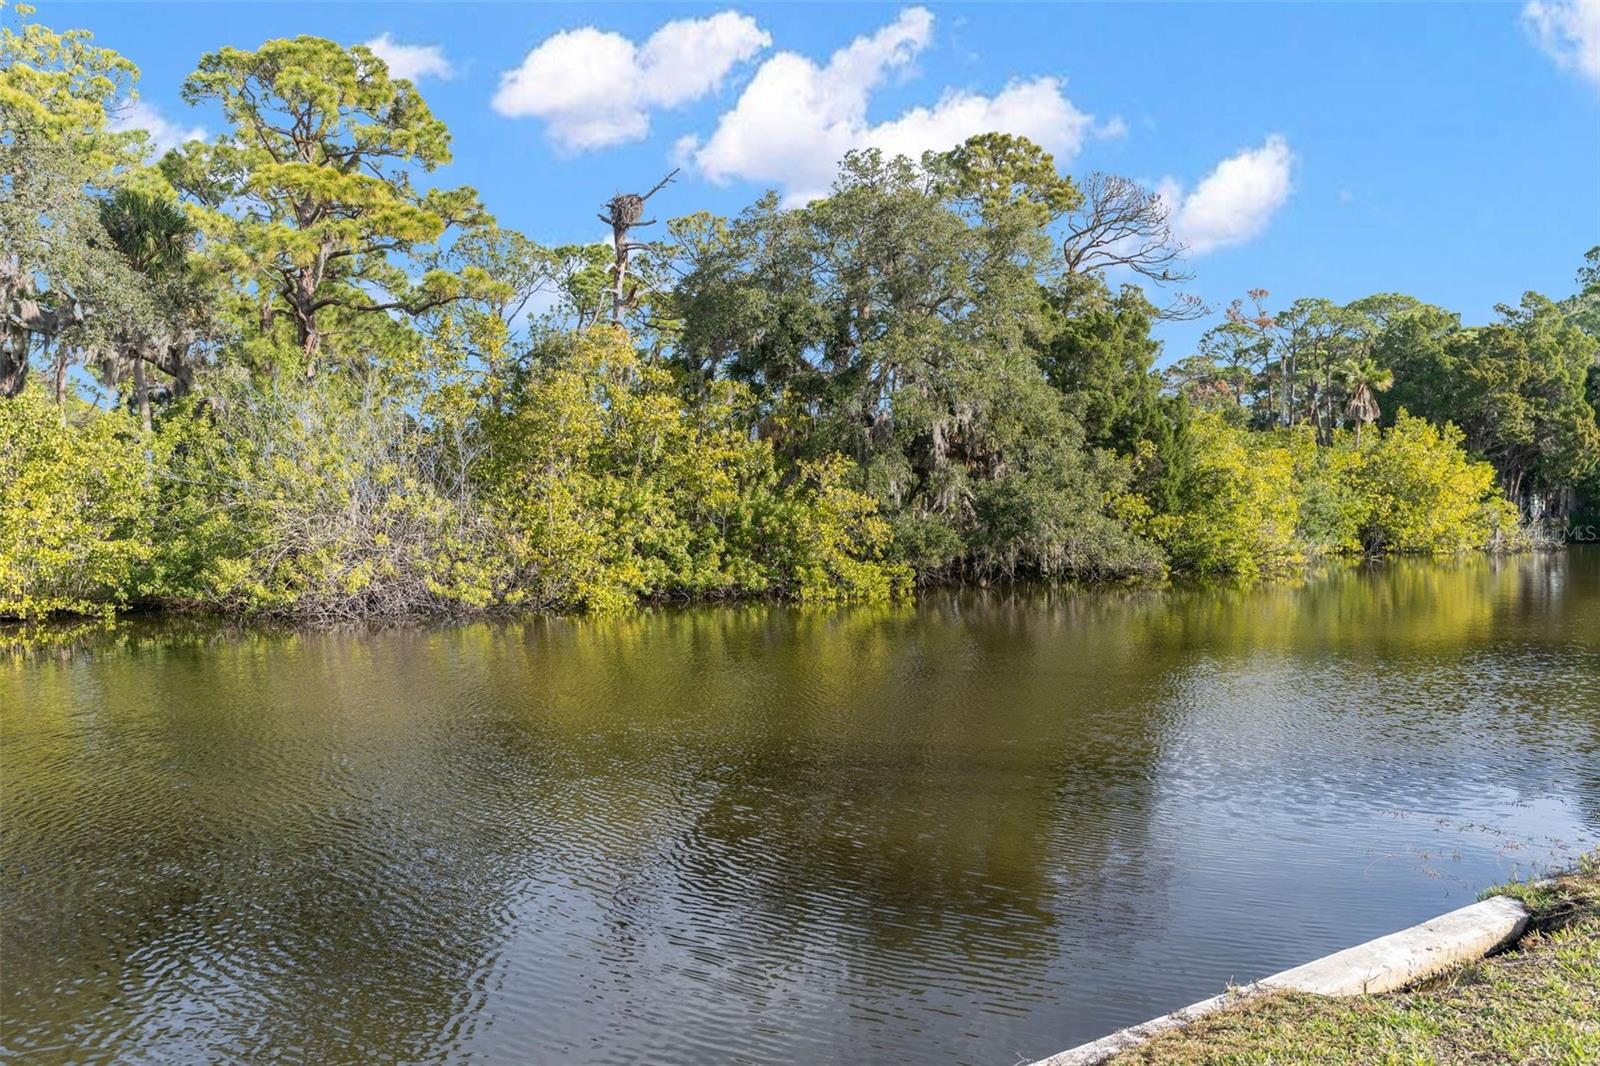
[
  {"x": 153, "y": 234},
  {"x": 1364, "y": 378}
]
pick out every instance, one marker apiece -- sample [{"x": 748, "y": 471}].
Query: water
[{"x": 978, "y": 830}]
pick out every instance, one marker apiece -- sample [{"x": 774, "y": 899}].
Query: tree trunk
[
  {"x": 310, "y": 346},
  {"x": 624, "y": 211},
  {"x": 1283, "y": 390},
  {"x": 141, "y": 392},
  {"x": 1294, "y": 377},
  {"x": 302, "y": 299},
  {"x": 620, "y": 236},
  {"x": 61, "y": 374},
  {"x": 13, "y": 370}
]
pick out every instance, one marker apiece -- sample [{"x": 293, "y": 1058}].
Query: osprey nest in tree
[{"x": 626, "y": 208}]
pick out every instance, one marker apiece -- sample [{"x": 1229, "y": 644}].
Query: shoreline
[
  {"x": 1497, "y": 926},
  {"x": 276, "y": 620}
]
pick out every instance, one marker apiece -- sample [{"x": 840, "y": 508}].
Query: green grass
[{"x": 1539, "y": 1003}]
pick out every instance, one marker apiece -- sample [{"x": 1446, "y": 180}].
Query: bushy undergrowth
[
  {"x": 75, "y": 508},
  {"x": 592, "y": 485},
  {"x": 1257, "y": 502}
]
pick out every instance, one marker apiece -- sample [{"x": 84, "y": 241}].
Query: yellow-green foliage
[
  {"x": 592, "y": 484},
  {"x": 1413, "y": 489},
  {"x": 1258, "y": 501},
  {"x": 610, "y": 489},
  {"x": 74, "y": 499},
  {"x": 60, "y": 85},
  {"x": 1422, "y": 493},
  {"x": 1239, "y": 507},
  {"x": 830, "y": 540},
  {"x": 301, "y": 502},
  {"x": 1334, "y": 505}
]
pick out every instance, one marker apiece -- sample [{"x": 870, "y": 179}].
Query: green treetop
[
  {"x": 310, "y": 199},
  {"x": 56, "y": 152}
]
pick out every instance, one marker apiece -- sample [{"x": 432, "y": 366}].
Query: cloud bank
[
  {"x": 797, "y": 118},
  {"x": 164, "y": 134}
]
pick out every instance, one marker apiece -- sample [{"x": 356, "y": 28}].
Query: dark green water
[{"x": 977, "y": 830}]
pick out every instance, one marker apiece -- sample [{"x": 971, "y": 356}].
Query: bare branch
[
  {"x": 1123, "y": 224},
  {"x": 662, "y": 184},
  {"x": 625, "y": 211}
]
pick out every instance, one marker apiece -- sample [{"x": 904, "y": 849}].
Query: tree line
[{"x": 290, "y": 372}]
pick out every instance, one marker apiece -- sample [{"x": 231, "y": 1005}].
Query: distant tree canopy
[
  {"x": 291, "y": 372},
  {"x": 1521, "y": 389}
]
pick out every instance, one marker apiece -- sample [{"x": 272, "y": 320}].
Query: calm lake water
[{"x": 977, "y": 830}]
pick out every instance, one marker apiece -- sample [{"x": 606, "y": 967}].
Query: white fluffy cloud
[
  {"x": 796, "y": 118},
  {"x": 595, "y": 88},
  {"x": 411, "y": 61},
  {"x": 1569, "y": 32},
  {"x": 163, "y": 132},
  {"x": 1034, "y": 109},
  {"x": 1234, "y": 202}
]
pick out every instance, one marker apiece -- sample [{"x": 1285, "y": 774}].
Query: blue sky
[{"x": 1447, "y": 151}]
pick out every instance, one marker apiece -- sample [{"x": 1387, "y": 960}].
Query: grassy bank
[{"x": 1539, "y": 1003}]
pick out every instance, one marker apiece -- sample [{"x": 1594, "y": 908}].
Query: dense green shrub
[
  {"x": 1238, "y": 504},
  {"x": 74, "y": 508},
  {"x": 1334, "y": 504},
  {"x": 610, "y": 489},
  {"x": 1259, "y": 501},
  {"x": 594, "y": 485},
  {"x": 314, "y": 504},
  {"x": 1422, "y": 493}
]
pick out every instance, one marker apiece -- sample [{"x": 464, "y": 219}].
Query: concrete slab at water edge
[
  {"x": 1380, "y": 965},
  {"x": 1411, "y": 955},
  {"x": 1098, "y": 1051}
]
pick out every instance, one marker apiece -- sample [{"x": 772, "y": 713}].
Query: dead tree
[
  {"x": 1122, "y": 224},
  {"x": 624, "y": 212}
]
